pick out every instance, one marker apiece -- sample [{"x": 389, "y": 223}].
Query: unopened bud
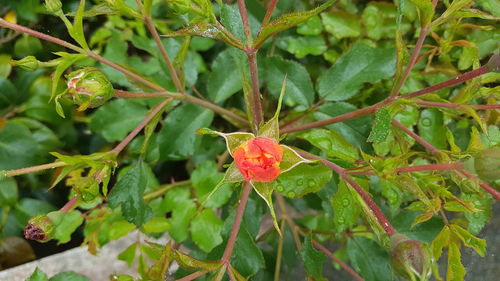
[
  {"x": 410, "y": 258},
  {"x": 40, "y": 228},
  {"x": 89, "y": 87},
  {"x": 487, "y": 164},
  {"x": 29, "y": 63},
  {"x": 53, "y": 6}
]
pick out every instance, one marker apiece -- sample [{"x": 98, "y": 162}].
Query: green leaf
[
  {"x": 189, "y": 262},
  {"x": 66, "y": 224},
  {"x": 345, "y": 208},
  {"x": 312, "y": 26},
  {"x": 479, "y": 219},
  {"x": 290, "y": 159},
  {"x": 8, "y": 192},
  {"x": 38, "y": 275},
  {"x": 64, "y": 62},
  {"x": 107, "y": 123},
  {"x": 209, "y": 30},
  {"x": 381, "y": 126},
  {"x": 332, "y": 143},
  {"x": 491, "y": 6},
  {"x": 128, "y": 255},
  {"x": 426, "y": 11},
  {"x": 303, "y": 179},
  {"x": 205, "y": 230},
  {"x": 342, "y": 24},
  {"x": 469, "y": 240},
  {"x": 299, "y": 88},
  {"x": 119, "y": 229},
  {"x": 233, "y": 140},
  {"x": 157, "y": 225},
  {"x": 361, "y": 64},
  {"x": 204, "y": 179},
  {"x": 76, "y": 31},
  {"x": 69, "y": 276},
  {"x": 128, "y": 193},
  {"x": 287, "y": 21},
  {"x": 265, "y": 190},
  {"x": 222, "y": 83},
  {"x": 177, "y": 138},
  {"x": 393, "y": 194},
  {"x": 38, "y": 107},
  {"x": 431, "y": 127},
  {"x": 451, "y": 11},
  {"x": 369, "y": 259},
  {"x": 247, "y": 257},
  {"x": 312, "y": 258},
  {"x": 441, "y": 241},
  {"x": 5, "y": 67},
  {"x": 8, "y": 93},
  {"x": 305, "y": 45},
  {"x": 18, "y": 147},
  {"x": 456, "y": 271},
  {"x": 179, "y": 202}
]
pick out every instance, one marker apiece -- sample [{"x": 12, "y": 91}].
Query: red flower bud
[
  {"x": 259, "y": 159},
  {"x": 40, "y": 228}
]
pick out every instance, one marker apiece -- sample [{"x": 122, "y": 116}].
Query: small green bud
[
  {"x": 40, "y": 228},
  {"x": 89, "y": 87},
  {"x": 53, "y": 6},
  {"x": 29, "y": 63},
  {"x": 487, "y": 164},
  {"x": 410, "y": 258}
]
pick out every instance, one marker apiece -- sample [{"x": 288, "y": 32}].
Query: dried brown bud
[{"x": 40, "y": 228}]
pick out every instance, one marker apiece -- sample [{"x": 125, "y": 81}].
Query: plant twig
[
  {"x": 337, "y": 260},
  {"x": 69, "y": 205},
  {"x": 164, "y": 188},
  {"x": 194, "y": 275},
  {"x": 484, "y": 185},
  {"x": 226, "y": 257},
  {"x": 271, "y": 6},
  {"x": 246, "y": 24},
  {"x": 419, "y": 139},
  {"x": 417, "y": 168},
  {"x": 118, "y": 148},
  {"x": 33, "y": 169},
  {"x": 277, "y": 268}
]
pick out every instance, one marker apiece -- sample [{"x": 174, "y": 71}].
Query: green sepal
[
  {"x": 232, "y": 175},
  {"x": 291, "y": 159},
  {"x": 233, "y": 140},
  {"x": 265, "y": 190}
]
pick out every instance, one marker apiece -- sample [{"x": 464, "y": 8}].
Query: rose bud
[
  {"x": 259, "y": 159},
  {"x": 53, "y": 6},
  {"x": 89, "y": 87},
  {"x": 410, "y": 258},
  {"x": 40, "y": 228},
  {"x": 29, "y": 63},
  {"x": 487, "y": 164}
]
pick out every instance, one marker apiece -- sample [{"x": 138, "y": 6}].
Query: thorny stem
[
  {"x": 484, "y": 185},
  {"x": 386, "y": 225},
  {"x": 33, "y": 169},
  {"x": 139, "y": 127},
  {"x": 244, "y": 18},
  {"x": 419, "y": 139},
  {"x": 226, "y": 257},
  {"x": 164, "y": 54}
]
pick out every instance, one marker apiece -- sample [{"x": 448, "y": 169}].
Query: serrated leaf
[
  {"x": 66, "y": 225},
  {"x": 76, "y": 30},
  {"x": 128, "y": 193},
  {"x": 469, "y": 240},
  {"x": 287, "y": 21},
  {"x": 303, "y": 179},
  {"x": 222, "y": 83},
  {"x": 442, "y": 240},
  {"x": 426, "y": 11},
  {"x": 18, "y": 147},
  {"x": 381, "y": 126},
  {"x": 119, "y": 229},
  {"x": 205, "y": 230},
  {"x": 456, "y": 271},
  {"x": 38, "y": 275},
  {"x": 128, "y": 255},
  {"x": 477, "y": 220},
  {"x": 247, "y": 258},
  {"x": 157, "y": 225},
  {"x": 265, "y": 190},
  {"x": 312, "y": 258},
  {"x": 361, "y": 64},
  {"x": 180, "y": 203},
  {"x": 299, "y": 88},
  {"x": 209, "y": 30},
  {"x": 345, "y": 208},
  {"x": 342, "y": 24},
  {"x": 332, "y": 143},
  {"x": 186, "y": 261},
  {"x": 205, "y": 178},
  {"x": 369, "y": 259}
]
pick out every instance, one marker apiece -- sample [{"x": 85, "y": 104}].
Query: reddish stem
[
  {"x": 193, "y": 276},
  {"x": 384, "y": 222},
  {"x": 419, "y": 139},
  {"x": 244, "y": 19},
  {"x": 269, "y": 12},
  {"x": 448, "y": 83},
  {"x": 484, "y": 185},
  {"x": 32, "y": 169},
  {"x": 226, "y": 257},
  {"x": 139, "y": 127},
  {"x": 69, "y": 205},
  {"x": 256, "y": 101},
  {"x": 337, "y": 260}
]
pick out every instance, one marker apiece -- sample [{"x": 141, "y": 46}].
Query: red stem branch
[
  {"x": 484, "y": 185},
  {"x": 337, "y": 260},
  {"x": 269, "y": 12},
  {"x": 384, "y": 222},
  {"x": 193, "y": 276},
  {"x": 419, "y": 139},
  {"x": 226, "y": 257},
  {"x": 69, "y": 205}
]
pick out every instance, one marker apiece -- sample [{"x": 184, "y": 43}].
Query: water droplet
[
  {"x": 280, "y": 188},
  {"x": 300, "y": 182},
  {"x": 345, "y": 202},
  {"x": 311, "y": 183},
  {"x": 426, "y": 122},
  {"x": 291, "y": 194}
]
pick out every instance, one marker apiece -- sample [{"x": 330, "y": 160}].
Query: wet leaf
[
  {"x": 303, "y": 179},
  {"x": 312, "y": 258}
]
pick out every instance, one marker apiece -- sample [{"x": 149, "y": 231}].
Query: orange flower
[{"x": 259, "y": 159}]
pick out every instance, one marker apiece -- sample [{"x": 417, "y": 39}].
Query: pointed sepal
[
  {"x": 265, "y": 190},
  {"x": 291, "y": 159},
  {"x": 233, "y": 140}
]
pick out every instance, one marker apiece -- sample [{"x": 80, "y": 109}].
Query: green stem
[{"x": 164, "y": 188}]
